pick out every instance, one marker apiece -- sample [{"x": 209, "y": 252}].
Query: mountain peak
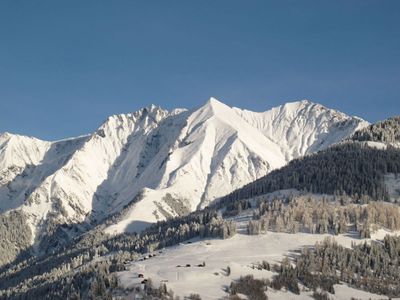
[
  {"x": 152, "y": 108},
  {"x": 300, "y": 103},
  {"x": 18, "y": 137},
  {"x": 307, "y": 107},
  {"x": 213, "y": 100},
  {"x": 215, "y": 105},
  {"x": 5, "y": 134},
  {"x": 184, "y": 160},
  {"x": 304, "y": 102}
]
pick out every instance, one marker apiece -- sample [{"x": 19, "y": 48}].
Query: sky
[{"x": 65, "y": 66}]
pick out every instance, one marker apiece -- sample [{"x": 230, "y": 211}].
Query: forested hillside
[
  {"x": 76, "y": 272},
  {"x": 371, "y": 267},
  {"x": 348, "y": 168},
  {"x": 15, "y": 235},
  {"x": 387, "y": 131},
  {"x": 317, "y": 215}
]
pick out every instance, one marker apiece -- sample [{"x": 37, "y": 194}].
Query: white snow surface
[
  {"x": 240, "y": 253},
  {"x": 191, "y": 157},
  {"x": 303, "y": 127},
  {"x": 376, "y": 145}
]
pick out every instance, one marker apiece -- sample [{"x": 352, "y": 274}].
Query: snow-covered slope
[
  {"x": 303, "y": 127},
  {"x": 19, "y": 151},
  {"x": 212, "y": 152},
  {"x": 177, "y": 161},
  {"x": 209, "y": 281},
  {"x": 25, "y": 162}
]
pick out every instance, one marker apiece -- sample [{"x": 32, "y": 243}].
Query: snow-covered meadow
[{"x": 240, "y": 253}]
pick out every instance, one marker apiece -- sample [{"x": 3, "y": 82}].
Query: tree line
[
  {"x": 349, "y": 169},
  {"x": 372, "y": 267},
  {"x": 387, "y": 131},
  {"x": 317, "y": 215}
]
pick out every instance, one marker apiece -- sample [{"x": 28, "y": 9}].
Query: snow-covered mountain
[
  {"x": 177, "y": 161},
  {"x": 303, "y": 127}
]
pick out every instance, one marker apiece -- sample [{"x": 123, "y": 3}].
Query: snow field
[{"x": 240, "y": 253}]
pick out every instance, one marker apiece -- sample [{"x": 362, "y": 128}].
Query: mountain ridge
[{"x": 181, "y": 160}]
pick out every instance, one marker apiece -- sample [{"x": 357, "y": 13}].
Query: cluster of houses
[{"x": 202, "y": 265}]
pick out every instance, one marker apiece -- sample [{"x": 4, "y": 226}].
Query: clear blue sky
[{"x": 66, "y": 65}]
